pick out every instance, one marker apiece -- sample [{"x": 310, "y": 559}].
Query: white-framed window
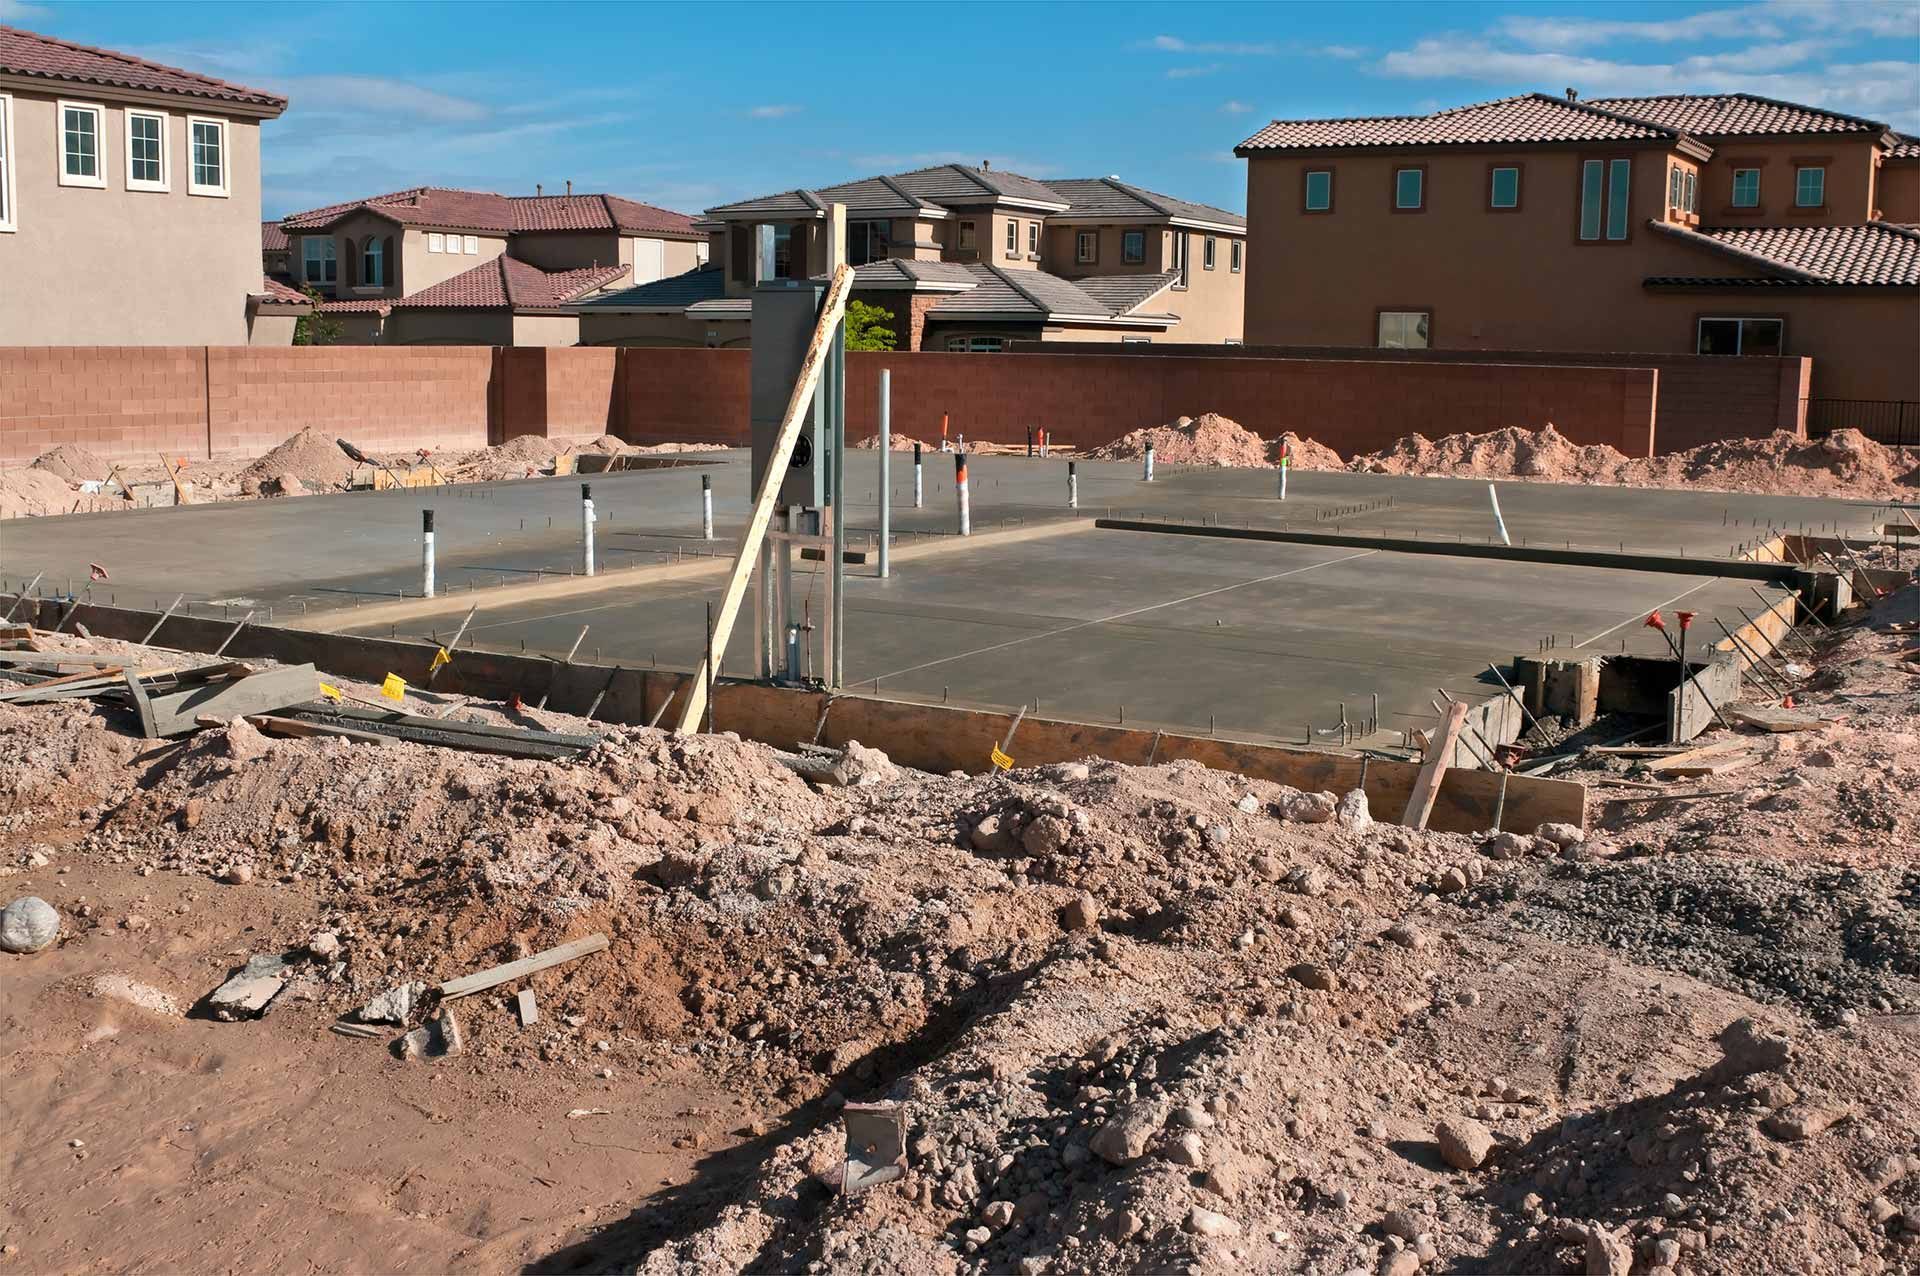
[
  {"x": 1410, "y": 188},
  {"x": 974, "y": 345},
  {"x": 1809, "y": 186},
  {"x": 1206, "y": 254},
  {"x": 1503, "y": 186},
  {"x": 1736, "y": 335},
  {"x": 436, "y": 242},
  {"x": 1404, "y": 329},
  {"x": 207, "y": 172},
  {"x": 1235, "y": 252},
  {"x": 473, "y": 245},
  {"x": 82, "y": 163},
  {"x": 1086, "y": 246},
  {"x": 1033, "y": 238},
  {"x": 1692, "y": 191},
  {"x": 1746, "y": 188},
  {"x": 1013, "y": 238},
  {"x": 1316, "y": 191},
  {"x": 147, "y": 168},
  {"x": 1179, "y": 250},
  {"x": 1133, "y": 246},
  {"x": 318, "y": 263},
  {"x": 373, "y": 263},
  {"x": 7, "y": 221}
]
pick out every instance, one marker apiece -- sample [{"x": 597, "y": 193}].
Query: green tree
[
  {"x": 315, "y": 329},
  {"x": 866, "y": 327}
]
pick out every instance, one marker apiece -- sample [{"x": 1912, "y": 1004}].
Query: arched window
[{"x": 373, "y": 263}]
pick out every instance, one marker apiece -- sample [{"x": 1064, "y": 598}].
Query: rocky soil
[{"x": 1139, "y": 1019}]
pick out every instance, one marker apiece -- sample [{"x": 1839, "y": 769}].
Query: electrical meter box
[{"x": 784, "y": 314}]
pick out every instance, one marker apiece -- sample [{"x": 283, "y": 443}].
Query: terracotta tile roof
[
  {"x": 43, "y": 57},
  {"x": 367, "y": 306},
  {"x": 1872, "y": 255},
  {"x": 507, "y": 282},
  {"x": 1904, "y": 148},
  {"x": 1528, "y": 118},
  {"x": 1711, "y": 116},
  {"x": 273, "y": 238},
  {"x": 596, "y": 212},
  {"x": 274, "y": 290}
]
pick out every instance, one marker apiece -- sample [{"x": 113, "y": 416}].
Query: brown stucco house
[
  {"x": 436, "y": 266},
  {"x": 1723, "y": 224},
  {"x": 129, "y": 199},
  {"x": 966, "y": 259}
]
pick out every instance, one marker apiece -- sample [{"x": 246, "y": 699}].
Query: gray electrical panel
[{"x": 784, "y": 314}]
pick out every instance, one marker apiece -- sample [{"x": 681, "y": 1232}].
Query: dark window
[
  {"x": 1206, "y": 255},
  {"x": 1604, "y": 199},
  {"x": 1319, "y": 190},
  {"x": 1133, "y": 247},
  {"x": 1740, "y": 336},
  {"x": 1746, "y": 188},
  {"x": 1410, "y": 188},
  {"x": 1233, "y": 256},
  {"x": 1504, "y": 188}
]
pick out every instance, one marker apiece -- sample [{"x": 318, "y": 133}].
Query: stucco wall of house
[
  {"x": 271, "y": 329},
  {"x": 113, "y": 266},
  {"x": 546, "y": 330},
  {"x": 1897, "y": 191},
  {"x": 1849, "y": 181},
  {"x": 645, "y": 330},
  {"x": 422, "y": 268},
  {"x": 432, "y": 326},
  {"x": 569, "y": 250}
]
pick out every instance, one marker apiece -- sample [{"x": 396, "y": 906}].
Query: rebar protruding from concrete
[
  {"x": 919, "y": 491},
  {"x": 960, "y": 491},
  {"x": 586, "y": 523},
  {"x": 1073, "y": 485},
  {"x": 706, "y": 509},
  {"x": 1146, "y": 465},
  {"x": 426, "y": 553}
]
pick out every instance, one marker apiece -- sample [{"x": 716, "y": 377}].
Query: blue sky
[{"x": 689, "y": 105}]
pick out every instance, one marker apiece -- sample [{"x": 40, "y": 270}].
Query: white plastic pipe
[
  {"x": 1073, "y": 485},
  {"x": 1286, "y": 463},
  {"x": 919, "y": 492},
  {"x": 586, "y": 522},
  {"x": 1498, "y": 521},
  {"x": 706, "y": 508},
  {"x": 426, "y": 553},
  {"x": 960, "y": 490},
  {"x": 1146, "y": 464}
]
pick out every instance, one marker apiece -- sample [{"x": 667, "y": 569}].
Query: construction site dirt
[{"x": 347, "y": 974}]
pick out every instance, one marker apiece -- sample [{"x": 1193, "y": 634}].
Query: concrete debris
[
  {"x": 396, "y": 1005},
  {"x": 247, "y": 993},
  {"x": 28, "y": 924},
  {"x": 134, "y": 993},
  {"x": 437, "y": 1038}
]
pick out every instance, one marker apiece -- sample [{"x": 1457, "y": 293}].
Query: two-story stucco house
[
  {"x": 129, "y": 200},
  {"x": 433, "y": 266},
  {"x": 966, "y": 259},
  {"x": 1719, "y": 224}
]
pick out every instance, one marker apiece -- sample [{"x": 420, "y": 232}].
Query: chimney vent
[
  {"x": 538, "y": 189},
  {"x": 569, "y": 186},
  {"x": 985, "y": 165},
  {"x": 1573, "y": 94}
]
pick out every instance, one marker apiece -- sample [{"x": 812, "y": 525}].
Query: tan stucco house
[
  {"x": 129, "y": 199},
  {"x": 966, "y": 259},
  {"x": 435, "y": 266},
  {"x": 1717, "y": 224}
]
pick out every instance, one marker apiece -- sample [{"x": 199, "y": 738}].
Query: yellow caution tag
[
  {"x": 330, "y": 691},
  {"x": 1001, "y": 760},
  {"x": 394, "y": 688},
  {"x": 440, "y": 657}
]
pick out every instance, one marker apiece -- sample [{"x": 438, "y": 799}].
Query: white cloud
[
  {"x": 1174, "y": 44},
  {"x": 778, "y": 112},
  {"x": 371, "y": 93},
  {"x": 1574, "y": 33},
  {"x": 20, "y": 11},
  {"x": 1235, "y": 108},
  {"x": 1346, "y": 52},
  {"x": 1194, "y": 72}
]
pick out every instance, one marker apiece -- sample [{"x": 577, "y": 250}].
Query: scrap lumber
[
  {"x": 177, "y": 713},
  {"x": 1440, "y": 748},
  {"x": 1679, "y": 762},
  {"x": 832, "y": 312},
  {"x": 1712, "y": 766},
  {"x": 1775, "y": 719},
  {"x": 57, "y": 688},
  {"x": 476, "y": 737},
  {"x": 300, "y": 728},
  {"x": 494, "y": 976}
]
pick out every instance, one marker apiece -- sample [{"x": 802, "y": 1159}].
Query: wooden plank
[
  {"x": 142, "y": 706},
  {"x": 1711, "y": 766},
  {"x": 482, "y": 980},
  {"x": 1439, "y": 749},
  {"x": 180, "y": 495},
  {"x": 832, "y": 313},
  {"x": 1775, "y": 719},
  {"x": 175, "y": 714},
  {"x": 1693, "y": 757},
  {"x": 295, "y": 728},
  {"x": 105, "y": 677}
]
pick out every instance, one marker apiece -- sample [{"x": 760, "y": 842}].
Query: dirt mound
[
  {"x": 1844, "y": 463},
  {"x": 311, "y": 459},
  {"x": 73, "y": 463},
  {"x": 1208, "y": 439},
  {"x": 896, "y": 443},
  {"x": 1304, "y": 453},
  {"x": 1544, "y": 454},
  {"x": 605, "y": 443}
]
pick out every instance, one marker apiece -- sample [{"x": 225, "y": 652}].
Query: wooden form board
[
  {"x": 494, "y": 976},
  {"x": 929, "y": 737},
  {"x": 1426, "y": 785}
]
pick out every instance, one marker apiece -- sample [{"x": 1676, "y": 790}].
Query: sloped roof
[
  {"x": 273, "y": 290},
  {"x": 937, "y": 188},
  {"x": 1091, "y": 197},
  {"x": 503, "y": 214},
  {"x": 273, "y": 238},
  {"x": 1717, "y": 115},
  {"x": 43, "y": 57},
  {"x": 1024, "y": 292},
  {"x": 1527, "y": 118},
  {"x": 1875, "y": 254},
  {"x": 1122, "y": 294},
  {"x": 672, "y": 293},
  {"x": 506, "y": 282},
  {"x": 899, "y": 272},
  {"x": 1904, "y": 148}
]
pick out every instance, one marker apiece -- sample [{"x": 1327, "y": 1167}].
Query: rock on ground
[{"x": 28, "y": 924}]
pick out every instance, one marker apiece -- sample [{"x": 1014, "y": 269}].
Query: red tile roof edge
[{"x": 196, "y": 86}]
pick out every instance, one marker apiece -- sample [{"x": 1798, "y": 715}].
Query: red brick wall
[
  {"x": 1085, "y": 400},
  {"x": 1702, "y": 397},
  {"x": 386, "y": 399},
  {"x": 121, "y": 403}
]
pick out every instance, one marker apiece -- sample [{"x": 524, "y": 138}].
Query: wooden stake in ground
[
  {"x": 832, "y": 314},
  {"x": 180, "y": 495},
  {"x": 1439, "y": 749}
]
